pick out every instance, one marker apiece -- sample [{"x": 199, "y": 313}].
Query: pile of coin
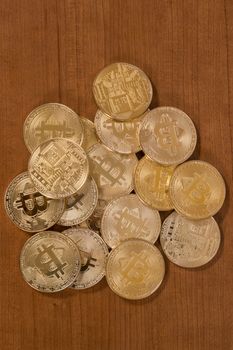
[{"x": 105, "y": 184}]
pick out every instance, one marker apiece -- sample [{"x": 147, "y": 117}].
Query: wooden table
[{"x": 50, "y": 52}]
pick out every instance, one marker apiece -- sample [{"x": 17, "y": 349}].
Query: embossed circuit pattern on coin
[
  {"x": 50, "y": 121},
  {"x": 50, "y": 261},
  {"x": 197, "y": 189},
  {"x": 89, "y": 134},
  {"x": 189, "y": 243},
  {"x": 151, "y": 183},
  {"x": 29, "y": 209},
  {"x": 122, "y": 91},
  {"x": 113, "y": 173},
  {"x": 122, "y": 137},
  {"x": 58, "y": 168},
  {"x": 127, "y": 217},
  {"x": 135, "y": 269},
  {"x": 94, "y": 221},
  {"x": 167, "y": 135},
  {"x": 80, "y": 205},
  {"x": 94, "y": 254}
]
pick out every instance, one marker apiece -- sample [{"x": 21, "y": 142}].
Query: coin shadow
[{"x": 155, "y": 98}]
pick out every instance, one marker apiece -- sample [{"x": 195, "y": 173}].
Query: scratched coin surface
[
  {"x": 93, "y": 251},
  {"x": 135, "y": 269},
  {"x": 80, "y": 205},
  {"x": 189, "y": 243},
  {"x": 127, "y": 217},
  {"x": 122, "y": 91},
  {"x": 29, "y": 209},
  {"x": 90, "y": 137},
  {"x": 50, "y": 121},
  {"x": 197, "y": 189},
  {"x": 50, "y": 261},
  {"x": 58, "y": 168},
  {"x": 122, "y": 137},
  {"x": 167, "y": 135},
  {"x": 112, "y": 172},
  {"x": 94, "y": 221},
  {"x": 151, "y": 183}
]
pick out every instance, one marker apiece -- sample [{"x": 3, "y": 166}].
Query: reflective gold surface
[
  {"x": 122, "y": 91},
  {"x": 135, "y": 269},
  {"x": 89, "y": 134},
  {"x": 94, "y": 221},
  {"x": 127, "y": 217}
]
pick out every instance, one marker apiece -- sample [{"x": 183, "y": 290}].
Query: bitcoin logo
[
  {"x": 108, "y": 168},
  {"x": 50, "y": 128},
  {"x": 87, "y": 260},
  {"x": 129, "y": 222},
  {"x": 196, "y": 188},
  {"x": 121, "y": 130},
  {"x": 135, "y": 269},
  {"x": 75, "y": 200}
]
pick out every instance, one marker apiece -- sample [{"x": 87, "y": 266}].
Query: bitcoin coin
[
  {"x": 27, "y": 208},
  {"x": 50, "y": 121},
  {"x": 189, "y": 243},
  {"x": 113, "y": 173},
  {"x": 122, "y": 137},
  {"x": 80, "y": 205},
  {"x": 167, "y": 135},
  {"x": 197, "y": 189},
  {"x": 122, "y": 91},
  {"x": 94, "y": 221},
  {"x": 58, "y": 168},
  {"x": 135, "y": 269},
  {"x": 90, "y": 138},
  {"x": 127, "y": 217},
  {"x": 151, "y": 183},
  {"x": 50, "y": 261},
  {"x": 93, "y": 251}
]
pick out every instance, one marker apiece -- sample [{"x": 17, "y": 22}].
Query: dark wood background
[{"x": 51, "y": 51}]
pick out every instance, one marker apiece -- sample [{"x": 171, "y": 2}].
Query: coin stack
[{"x": 87, "y": 178}]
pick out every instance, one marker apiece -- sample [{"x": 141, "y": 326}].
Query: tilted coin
[
  {"x": 80, "y": 205},
  {"x": 94, "y": 254},
  {"x": 127, "y": 217},
  {"x": 113, "y": 173},
  {"x": 151, "y": 183},
  {"x": 197, "y": 189},
  {"x": 167, "y": 135},
  {"x": 50, "y": 261},
  {"x": 122, "y": 137},
  {"x": 122, "y": 91},
  {"x": 89, "y": 137},
  {"x": 58, "y": 168},
  {"x": 50, "y": 121},
  {"x": 189, "y": 243},
  {"x": 135, "y": 269},
  {"x": 29, "y": 209},
  {"x": 94, "y": 221}
]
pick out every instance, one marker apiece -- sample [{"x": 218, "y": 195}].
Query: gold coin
[
  {"x": 152, "y": 184},
  {"x": 167, "y": 135},
  {"x": 27, "y": 208},
  {"x": 50, "y": 261},
  {"x": 113, "y": 173},
  {"x": 189, "y": 243},
  {"x": 127, "y": 217},
  {"x": 122, "y": 91},
  {"x": 135, "y": 269},
  {"x": 197, "y": 189},
  {"x": 94, "y": 221},
  {"x": 94, "y": 254},
  {"x": 80, "y": 205},
  {"x": 50, "y": 121},
  {"x": 90, "y": 138},
  {"x": 58, "y": 168},
  {"x": 122, "y": 137}
]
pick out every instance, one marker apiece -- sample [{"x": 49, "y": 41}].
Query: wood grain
[{"x": 51, "y": 51}]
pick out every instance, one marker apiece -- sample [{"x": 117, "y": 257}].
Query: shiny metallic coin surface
[
  {"x": 189, "y": 243},
  {"x": 127, "y": 217},
  {"x": 27, "y": 208},
  {"x": 167, "y": 135},
  {"x": 122, "y": 137},
  {"x": 90, "y": 137},
  {"x": 113, "y": 173},
  {"x": 135, "y": 269},
  {"x": 80, "y": 205},
  {"x": 50, "y": 121},
  {"x": 94, "y": 254},
  {"x": 50, "y": 261},
  {"x": 151, "y": 183},
  {"x": 94, "y": 221},
  {"x": 122, "y": 91},
  {"x": 197, "y": 190},
  {"x": 58, "y": 168}
]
